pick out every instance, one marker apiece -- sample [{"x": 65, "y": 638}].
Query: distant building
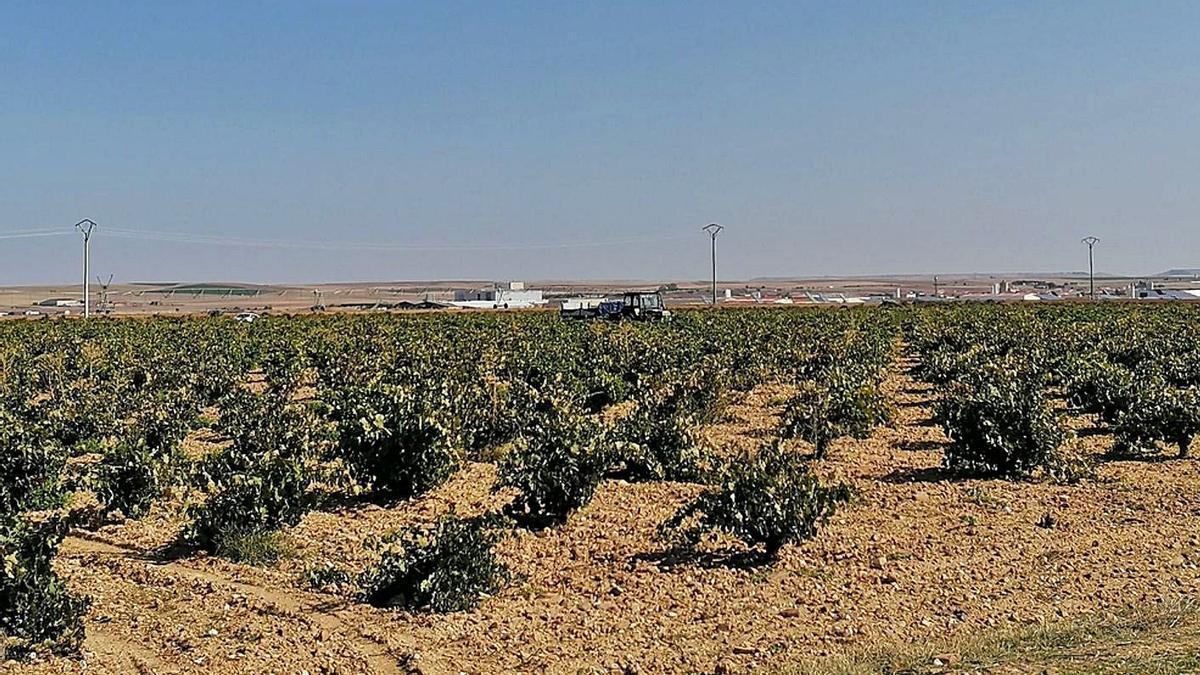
[
  {"x": 512, "y": 295},
  {"x": 758, "y": 298},
  {"x": 1167, "y": 294},
  {"x": 833, "y": 299},
  {"x": 61, "y": 302}
]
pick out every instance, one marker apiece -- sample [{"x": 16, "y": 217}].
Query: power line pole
[
  {"x": 1091, "y": 244},
  {"x": 104, "y": 292},
  {"x": 85, "y": 227},
  {"x": 713, "y": 230}
]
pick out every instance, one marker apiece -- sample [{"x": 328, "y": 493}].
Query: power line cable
[
  {"x": 223, "y": 240},
  {"x": 250, "y": 242},
  {"x": 29, "y": 234}
]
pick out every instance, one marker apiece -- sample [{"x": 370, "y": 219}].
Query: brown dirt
[{"x": 917, "y": 556}]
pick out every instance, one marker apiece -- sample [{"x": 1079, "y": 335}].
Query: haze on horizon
[{"x": 829, "y": 138}]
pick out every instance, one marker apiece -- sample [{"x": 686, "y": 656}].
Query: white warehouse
[{"x": 512, "y": 295}]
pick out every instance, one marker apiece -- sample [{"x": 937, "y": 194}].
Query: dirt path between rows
[
  {"x": 116, "y": 651},
  {"x": 322, "y": 615}
]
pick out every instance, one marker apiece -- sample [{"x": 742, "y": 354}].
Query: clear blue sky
[{"x": 830, "y": 138}]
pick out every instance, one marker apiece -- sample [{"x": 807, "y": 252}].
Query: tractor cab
[{"x": 645, "y": 303}]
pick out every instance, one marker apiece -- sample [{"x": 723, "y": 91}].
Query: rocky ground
[{"x": 917, "y": 557}]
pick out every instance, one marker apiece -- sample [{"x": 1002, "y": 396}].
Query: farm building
[
  {"x": 1167, "y": 294},
  {"x": 512, "y": 295},
  {"x": 214, "y": 290},
  {"x": 61, "y": 302}
]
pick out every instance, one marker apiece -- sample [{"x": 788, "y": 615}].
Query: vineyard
[{"x": 510, "y": 492}]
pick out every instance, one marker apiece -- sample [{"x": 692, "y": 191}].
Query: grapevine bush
[
  {"x": 556, "y": 465},
  {"x": 31, "y": 469},
  {"x": 838, "y": 405},
  {"x": 1160, "y": 413},
  {"x": 37, "y": 611},
  {"x": 769, "y": 500},
  {"x": 999, "y": 427},
  {"x": 652, "y": 443},
  {"x": 130, "y": 476},
  {"x": 448, "y": 567},
  {"x": 263, "y": 481},
  {"x": 391, "y": 439}
]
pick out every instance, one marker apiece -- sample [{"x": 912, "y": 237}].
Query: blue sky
[{"x": 830, "y": 138}]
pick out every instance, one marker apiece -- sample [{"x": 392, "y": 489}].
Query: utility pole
[
  {"x": 713, "y": 230},
  {"x": 104, "y": 292},
  {"x": 1091, "y": 244},
  {"x": 85, "y": 228},
  {"x": 935, "y": 286}
]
